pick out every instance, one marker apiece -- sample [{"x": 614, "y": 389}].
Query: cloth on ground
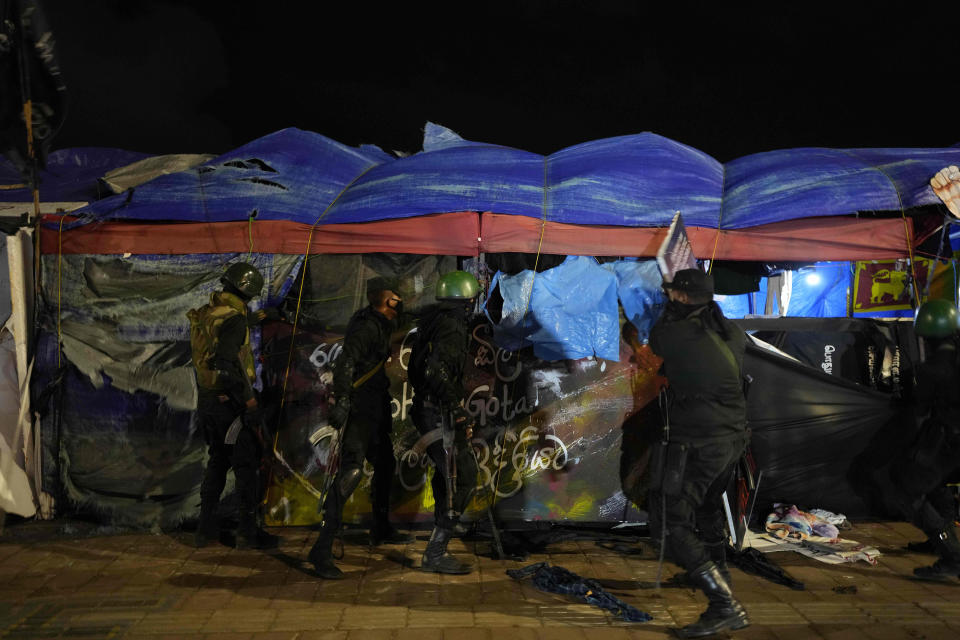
[
  {"x": 560, "y": 580},
  {"x": 787, "y": 521},
  {"x": 837, "y": 519}
]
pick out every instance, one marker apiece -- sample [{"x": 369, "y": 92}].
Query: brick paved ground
[{"x": 158, "y": 586}]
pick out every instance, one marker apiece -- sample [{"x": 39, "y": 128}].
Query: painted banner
[
  {"x": 547, "y": 438},
  {"x": 885, "y": 285}
]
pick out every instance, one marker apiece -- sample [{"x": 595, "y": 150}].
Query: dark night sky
[{"x": 177, "y": 76}]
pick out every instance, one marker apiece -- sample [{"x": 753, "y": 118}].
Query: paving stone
[
  {"x": 313, "y": 618},
  {"x": 796, "y": 632},
  {"x": 773, "y": 613},
  {"x": 421, "y": 633},
  {"x": 374, "y": 617},
  {"x": 370, "y": 634},
  {"x": 832, "y": 613},
  {"x": 440, "y": 617},
  {"x": 322, "y": 635},
  {"x": 240, "y": 620}
]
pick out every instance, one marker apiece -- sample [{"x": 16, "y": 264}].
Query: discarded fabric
[
  {"x": 560, "y": 580},
  {"x": 787, "y": 521}
]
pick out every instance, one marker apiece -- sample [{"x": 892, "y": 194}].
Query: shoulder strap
[{"x": 369, "y": 374}]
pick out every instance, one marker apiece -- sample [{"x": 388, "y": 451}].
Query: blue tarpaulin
[
  {"x": 637, "y": 180},
  {"x": 71, "y": 175},
  {"x": 821, "y": 291}
]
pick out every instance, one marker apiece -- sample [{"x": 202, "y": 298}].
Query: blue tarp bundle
[
  {"x": 572, "y": 310},
  {"x": 639, "y": 289},
  {"x": 567, "y": 312}
]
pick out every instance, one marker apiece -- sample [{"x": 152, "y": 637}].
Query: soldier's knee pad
[{"x": 349, "y": 480}]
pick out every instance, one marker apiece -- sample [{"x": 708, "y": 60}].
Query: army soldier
[
  {"x": 702, "y": 355},
  {"x": 436, "y": 372},
  {"x": 919, "y": 476},
  {"x": 361, "y": 411},
  {"x": 227, "y": 405}
]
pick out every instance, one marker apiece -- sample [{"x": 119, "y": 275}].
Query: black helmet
[{"x": 245, "y": 278}]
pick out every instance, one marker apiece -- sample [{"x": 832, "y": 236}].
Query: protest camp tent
[{"x": 127, "y": 267}]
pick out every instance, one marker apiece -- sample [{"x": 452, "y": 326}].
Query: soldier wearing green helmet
[
  {"x": 436, "y": 372},
  {"x": 919, "y": 477}
]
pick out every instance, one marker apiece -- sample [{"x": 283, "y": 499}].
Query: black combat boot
[
  {"x": 723, "y": 612},
  {"x": 940, "y": 571},
  {"x": 947, "y": 567},
  {"x": 321, "y": 555},
  {"x": 251, "y": 536},
  {"x": 718, "y": 554},
  {"x": 435, "y": 556},
  {"x": 927, "y": 546},
  {"x": 208, "y": 528}
]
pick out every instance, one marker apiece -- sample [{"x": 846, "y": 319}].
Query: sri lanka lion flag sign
[{"x": 885, "y": 285}]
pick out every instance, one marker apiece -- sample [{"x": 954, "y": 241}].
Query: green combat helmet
[
  {"x": 936, "y": 319},
  {"x": 457, "y": 285},
  {"x": 245, "y": 278}
]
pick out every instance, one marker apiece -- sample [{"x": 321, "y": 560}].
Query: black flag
[{"x": 30, "y": 82}]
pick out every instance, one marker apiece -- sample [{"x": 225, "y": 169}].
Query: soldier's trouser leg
[
  {"x": 381, "y": 456},
  {"x": 215, "y": 418},
  {"x": 214, "y": 480},
  {"x": 699, "y": 504},
  {"x": 917, "y": 490},
  {"x": 353, "y": 448},
  {"x": 245, "y": 460},
  {"x": 698, "y": 507},
  {"x": 711, "y": 519},
  {"x": 435, "y": 557},
  {"x": 938, "y": 524},
  {"x": 467, "y": 472}
]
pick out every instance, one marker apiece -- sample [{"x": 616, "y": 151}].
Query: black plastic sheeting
[
  {"x": 817, "y": 437},
  {"x": 807, "y": 429}
]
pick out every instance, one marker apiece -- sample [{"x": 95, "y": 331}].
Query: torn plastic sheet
[
  {"x": 118, "y": 432},
  {"x": 133, "y": 175},
  {"x": 125, "y": 318},
  {"x": 566, "y": 313}
]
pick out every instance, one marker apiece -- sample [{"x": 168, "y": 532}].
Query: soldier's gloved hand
[
  {"x": 267, "y": 313},
  {"x": 252, "y": 419},
  {"x": 339, "y": 413},
  {"x": 462, "y": 420}
]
